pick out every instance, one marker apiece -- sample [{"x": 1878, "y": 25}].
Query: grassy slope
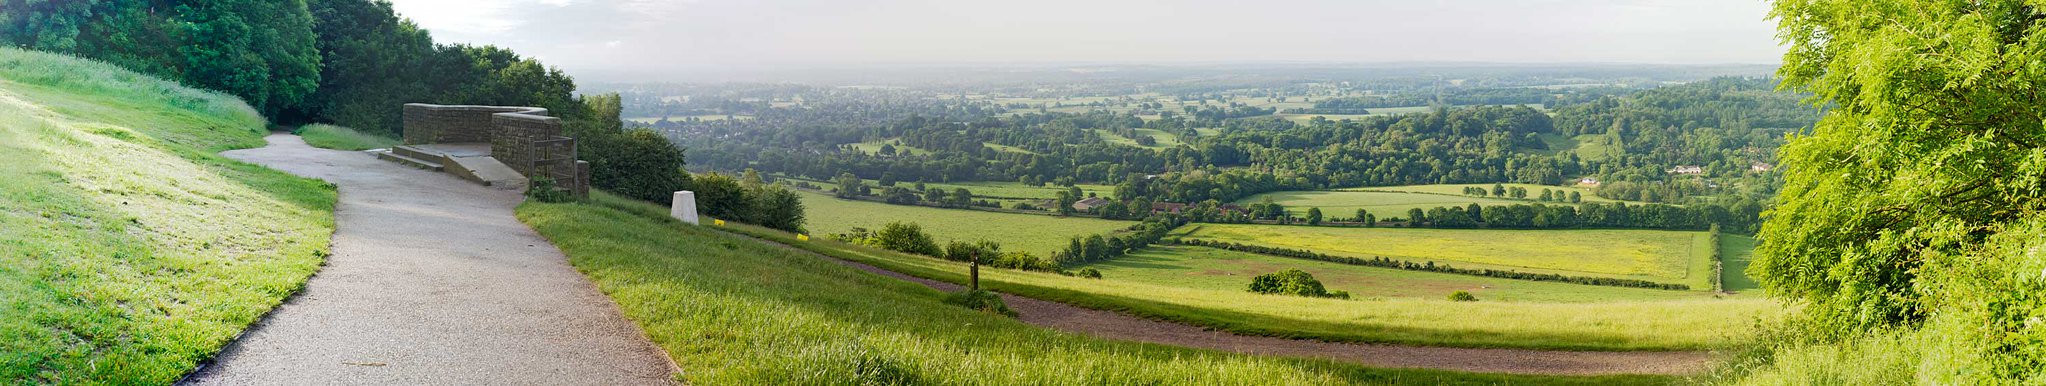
[
  {"x": 1533, "y": 191},
  {"x": 1381, "y": 204},
  {"x": 1662, "y": 256},
  {"x": 1024, "y": 232},
  {"x": 1216, "y": 269},
  {"x": 128, "y": 250},
  {"x": 1619, "y": 325},
  {"x": 732, "y": 310},
  {"x": 342, "y": 138},
  {"x": 1739, "y": 250}
]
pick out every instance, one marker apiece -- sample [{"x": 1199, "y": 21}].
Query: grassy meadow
[
  {"x": 1736, "y": 251},
  {"x": 1688, "y": 324},
  {"x": 794, "y": 318},
  {"x": 342, "y": 138},
  {"x": 1660, "y": 256},
  {"x": 1164, "y": 139},
  {"x": 1533, "y": 191},
  {"x": 129, "y": 251},
  {"x": 1383, "y": 204},
  {"x": 874, "y": 147},
  {"x": 1225, "y": 270},
  {"x": 1037, "y": 234}
]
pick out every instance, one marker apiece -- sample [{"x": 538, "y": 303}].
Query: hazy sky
[{"x": 663, "y": 38}]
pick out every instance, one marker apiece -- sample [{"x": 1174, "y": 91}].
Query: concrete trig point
[
  {"x": 685, "y": 207},
  {"x": 497, "y": 146}
]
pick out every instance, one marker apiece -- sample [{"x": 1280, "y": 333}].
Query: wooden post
[{"x": 975, "y": 272}]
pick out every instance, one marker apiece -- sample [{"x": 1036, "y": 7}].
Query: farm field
[
  {"x": 1164, "y": 140},
  {"x": 1625, "y": 325},
  {"x": 1594, "y": 147},
  {"x": 793, "y": 318},
  {"x": 1660, "y": 256},
  {"x": 1001, "y": 189},
  {"x": 1225, "y": 270},
  {"x": 1738, "y": 251},
  {"x": 1383, "y": 204},
  {"x": 1007, "y": 148},
  {"x": 1036, "y": 234},
  {"x": 875, "y": 147}
]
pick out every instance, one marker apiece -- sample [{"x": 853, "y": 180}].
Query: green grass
[
  {"x": 1660, "y": 256},
  {"x": 1163, "y": 139},
  {"x": 1224, "y": 270},
  {"x": 1036, "y": 234},
  {"x": 1700, "y": 323},
  {"x": 1593, "y": 147},
  {"x": 1737, "y": 250},
  {"x": 732, "y": 310},
  {"x": 1007, "y": 148},
  {"x": 1002, "y": 189},
  {"x": 874, "y": 147},
  {"x": 129, "y": 251},
  {"x": 342, "y": 138}
]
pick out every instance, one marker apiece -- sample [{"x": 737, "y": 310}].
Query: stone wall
[
  {"x": 426, "y": 123},
  {"x": 523, "y": 138}
]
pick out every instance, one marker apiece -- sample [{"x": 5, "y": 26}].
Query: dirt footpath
[{"x": 432, "y": 281}]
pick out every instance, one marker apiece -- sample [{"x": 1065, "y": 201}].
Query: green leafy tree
[
  {"x": 1313, "y": 216},
  {"x": 907, "y": 238},
  {"x": 849, "y": 185},
  {"x": 1915, "y": 202}
]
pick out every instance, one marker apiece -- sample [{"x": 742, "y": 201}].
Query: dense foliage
[
  {"x": 1910, "y": 217},
  {"x": 1293, "y": 282}
]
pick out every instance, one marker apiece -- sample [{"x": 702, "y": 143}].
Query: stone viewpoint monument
[{"x": 498, "y": 146}]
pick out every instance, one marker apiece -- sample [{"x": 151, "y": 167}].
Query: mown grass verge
[
  {"x": 341, "y": 138},
  {"x": 735, "y": 310},
  {"x": 129, "y": 251}
]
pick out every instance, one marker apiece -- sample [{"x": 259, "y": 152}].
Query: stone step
[
  {"x": 410, "y": 161},
  {"x": 415, "y": 153}
]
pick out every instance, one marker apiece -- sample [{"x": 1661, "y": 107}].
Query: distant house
[
  {"x": 1687, "y": 169},
  {"x": 1588, "y": 181},
  {"x": 1761, "y": 167},
  {"x": 1089, "y": 204},
  {"x": 1233, "y": 208},
  {"x": 1167, "y": 207}
]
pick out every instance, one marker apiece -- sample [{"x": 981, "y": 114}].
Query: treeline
[
  {"x": 1742, "y": 217},
  {"x": 1095, "y": 248},
  {"x": 1383, "y": 262}
]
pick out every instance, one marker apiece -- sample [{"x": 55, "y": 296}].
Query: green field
[
  {"x": 1737, "y": 250},
  {"x": 1689, "y": 324},
  {"x": 1007, "y": 148},
  {"x": 1005, "y": 190},
  {"x": 1380, "y": 203},
  {"x": 1225, "y": 270},
  {"x": 790, "y": 318},
  {"x": 129, "y": 251},
  {"x": 1660, "y": 256},
  {"x": 342, "y": 138},
  {"x": 1164, "y": 140},
  {"x": 1037, "y": 234},
  {"x": 1593, "y": 147},
  {"x": 874, "y": 147}
]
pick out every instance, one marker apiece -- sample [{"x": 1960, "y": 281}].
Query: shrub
[
  {"x": 1462, "y": 296},
  {"x": 1089, "y": 273},
  {"x": 1290, "y": 282},
  {"x": 980, "y": 300},
  {"x": 906, "y": 238}
]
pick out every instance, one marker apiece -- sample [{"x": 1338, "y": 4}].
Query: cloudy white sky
[{"x": 667, "y": 38}]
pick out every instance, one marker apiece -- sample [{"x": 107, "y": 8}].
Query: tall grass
[
  {"x": 732, "y": 310},
  {"x": 128, "y": 250}
]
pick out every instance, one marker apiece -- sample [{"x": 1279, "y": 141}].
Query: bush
[
  {"x": 1462, "y": 296},
  {"x": 1089, "y": 273},
  {"x": 906, "y": 238},
  {"x": 1291, "y": 282},
  {"x": 980, "y": 300}
]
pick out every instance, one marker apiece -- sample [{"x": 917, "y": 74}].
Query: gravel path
[
  {"x": 432, "y": 281},
  {"x": 1119, "y": 326}
]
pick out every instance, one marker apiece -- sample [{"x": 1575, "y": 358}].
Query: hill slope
[{"x": 129, "y": 252}]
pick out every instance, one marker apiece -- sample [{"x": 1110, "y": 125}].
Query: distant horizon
[{"x": 613, "y": 40}]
